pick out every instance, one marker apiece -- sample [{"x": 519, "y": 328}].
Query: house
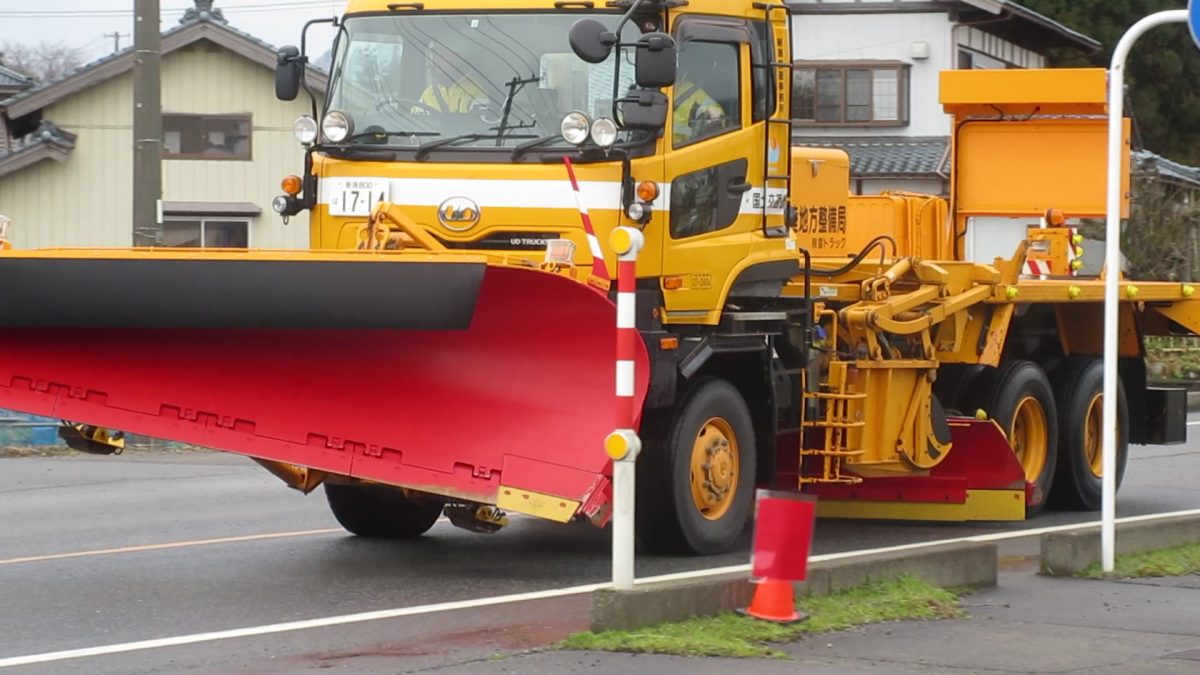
[
  {"x": 66, "y": 158},
  {"x": 866, "y": 77},
  {"x": 11, "y": 82}
]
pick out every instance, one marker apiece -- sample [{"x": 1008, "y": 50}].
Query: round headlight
[
  {"x": 337, "y": 126},
  {"x": 575, "y": 128},
  {"x": 280, "y": 204},
  {"x": 604, "y": 132},
  {"x": 306, "y": 130},
  {"x": 636, "y": 211}
]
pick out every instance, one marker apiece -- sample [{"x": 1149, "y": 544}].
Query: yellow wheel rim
[
  {"x": 1029, "y": 437},
  {"x": 714, "y": 468},
  {"x": 1093, "y": 436}
]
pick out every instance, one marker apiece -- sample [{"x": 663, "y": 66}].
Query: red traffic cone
[{"x": 774, "y": 600}]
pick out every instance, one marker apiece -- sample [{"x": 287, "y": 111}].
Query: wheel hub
[
  {"x": 714, "y": 473},
  {"x": 1030, "y": 437},
  {"x": 1093, "y": 432}
]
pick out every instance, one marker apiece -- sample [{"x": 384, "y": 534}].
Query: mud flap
[{"x": 390, "y": 379}]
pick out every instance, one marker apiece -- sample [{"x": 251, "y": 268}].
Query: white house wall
[
  {"x": 86, "y": 200},
  {"x": 883, "y": 37},
  {"x": 889, "y": 36}
]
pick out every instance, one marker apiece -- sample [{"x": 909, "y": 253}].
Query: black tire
[
  {"x": 380, "y": 511},
  {"x": 998, "y": 392},
  {"x": 953, "y": 384},
  {"x": 669, "y": 519},
  {"x": 1077, "y": 383}
]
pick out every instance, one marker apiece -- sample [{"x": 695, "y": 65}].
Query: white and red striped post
[
  {"x": 623, "y": 444},
  {"x": 599, "y": 270}
]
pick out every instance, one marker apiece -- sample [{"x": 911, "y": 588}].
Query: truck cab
[{"x": 460, "y": 113}]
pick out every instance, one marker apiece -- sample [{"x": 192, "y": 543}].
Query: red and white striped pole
[
  {"x": 599, "y": 270},
  {"x": 623, "y": 444}
]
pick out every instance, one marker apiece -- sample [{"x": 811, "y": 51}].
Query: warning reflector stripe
[
  {"x": 626, "y": 310},
  {"x": 594, "y": 247},
  {"x": 599, "y": 269},
  {"x": 625, "y": 378}
]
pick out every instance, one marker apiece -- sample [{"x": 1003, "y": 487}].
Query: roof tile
[{"x": 889, "y": 156}]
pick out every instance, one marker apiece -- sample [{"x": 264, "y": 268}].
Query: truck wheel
[
  {"x": 1079, "y": 388},
  {"x": 1018, "y": 396},
  {"x": 697, "y": 488},
  {"x": 380, "y": 511}
]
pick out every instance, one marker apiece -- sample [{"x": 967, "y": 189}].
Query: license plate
[{"x": 355, "y": 196}]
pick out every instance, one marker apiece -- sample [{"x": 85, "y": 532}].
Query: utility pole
[
  {"x": 116, "y": 36},
  {"x": 147, "y": 120}
]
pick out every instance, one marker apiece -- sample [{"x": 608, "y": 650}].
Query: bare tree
[
  {"x": 1161, "y": 240},
  {"x": 43, "y": 62}
]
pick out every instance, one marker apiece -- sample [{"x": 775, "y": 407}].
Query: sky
[{"x": 83, "y": 23}]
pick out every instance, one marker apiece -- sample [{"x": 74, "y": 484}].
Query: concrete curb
[
  {"x": 948, "y": 566},
  {"x": 1068, "y": 553}
]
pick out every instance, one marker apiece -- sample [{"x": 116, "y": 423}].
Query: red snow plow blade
[{"x": 484, "y": 383}]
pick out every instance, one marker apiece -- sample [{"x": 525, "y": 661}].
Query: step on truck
[{"x": 446, "y": 344}]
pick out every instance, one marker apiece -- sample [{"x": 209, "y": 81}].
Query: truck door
[{"x": 715, "y": 151}]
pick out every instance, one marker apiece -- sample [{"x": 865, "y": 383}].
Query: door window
[
  {"x": 708, "y": 92},
  {"x": 707, "y": 200}
]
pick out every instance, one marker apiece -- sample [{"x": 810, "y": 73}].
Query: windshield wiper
[
  {"x": 520, "y": 151},
  {"x": 426, "y": 148},
  {"x": 381, "y": 135}
]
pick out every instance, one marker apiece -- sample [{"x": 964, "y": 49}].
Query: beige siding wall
[
  {"x": 204, "y": 78},
  {"x": 86, "y": 200}
]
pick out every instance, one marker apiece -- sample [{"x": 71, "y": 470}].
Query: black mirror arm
[
  {"x": 633, "y": 8},
  {"x": 308, "y": 198},
  {"x": 312, "y": 97}
]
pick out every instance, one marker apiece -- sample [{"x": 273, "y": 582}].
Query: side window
[
  {"x": 762, "y": 53},
  {"x": 708, "y": 98},
  {"x": 702, "y": 202}
]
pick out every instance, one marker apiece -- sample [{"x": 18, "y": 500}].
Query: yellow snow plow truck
[{"x": 447, "y": 343}]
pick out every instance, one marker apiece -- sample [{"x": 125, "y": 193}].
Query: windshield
[{"x": 472, "y": 81}]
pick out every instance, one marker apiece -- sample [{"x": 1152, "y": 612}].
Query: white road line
[
  {"x": 1192, "y": 424},
  {"x": 291, "y": 626}
]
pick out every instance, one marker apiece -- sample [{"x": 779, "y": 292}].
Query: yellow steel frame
[
  {"x": 997, "y": 505},
  {"x": 894, "y": 324}
]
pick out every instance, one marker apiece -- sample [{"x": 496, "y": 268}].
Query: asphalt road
[{"x": 62, "y": 587}]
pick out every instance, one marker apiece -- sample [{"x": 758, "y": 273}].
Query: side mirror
[
  {"x": 591, "y": 40},
  {"x": 645, "y": 110},
  {"x": 289, "y": 66},
  {"x": 657, "y": 60}
]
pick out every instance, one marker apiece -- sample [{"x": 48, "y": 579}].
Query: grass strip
[
  {"x": 1167, "y": 562},
  {"x": 732, "y": 635}
]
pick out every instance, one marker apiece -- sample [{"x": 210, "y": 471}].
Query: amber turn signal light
[
  {"x": 647, "y": 191},
  {"x": 291, "y": 185}
]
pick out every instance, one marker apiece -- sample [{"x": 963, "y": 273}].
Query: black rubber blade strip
[{"x": 105, "y": 293}]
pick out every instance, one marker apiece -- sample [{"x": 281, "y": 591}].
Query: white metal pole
[
  {"x": 623, "y": 445},
  {"x": 1112, "y": 254},
  {"x": 624, "y": 478}
]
